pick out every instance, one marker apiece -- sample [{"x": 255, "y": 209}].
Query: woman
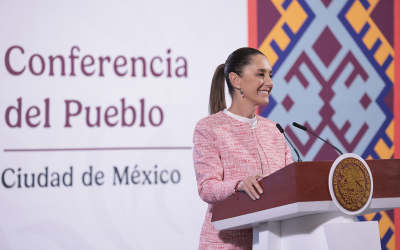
[{"x": 233, "y": 148}]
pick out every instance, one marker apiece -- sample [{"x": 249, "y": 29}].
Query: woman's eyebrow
[{"x": 264, "y": 70}]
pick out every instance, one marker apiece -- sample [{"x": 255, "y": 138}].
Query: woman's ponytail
[
  {"x": 217, "y": 92},
  {"x": 235, "y": 63}
]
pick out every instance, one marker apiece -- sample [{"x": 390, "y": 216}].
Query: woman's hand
[{"x": 250, "y": 184}]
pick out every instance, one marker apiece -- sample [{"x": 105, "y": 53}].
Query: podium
[{"x": 296, "y": 210}]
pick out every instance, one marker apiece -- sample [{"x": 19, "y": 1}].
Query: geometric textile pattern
[
  {"x": 333, "y": 63},
  {"x": 370, "y": 23},
  {"x": 326, "y": 93},
  {"x": 280, "y": 24},
  {"x": 386, "y": 227}
]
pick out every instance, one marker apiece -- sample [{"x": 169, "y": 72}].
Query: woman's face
[{"x": 256, "y": 82}]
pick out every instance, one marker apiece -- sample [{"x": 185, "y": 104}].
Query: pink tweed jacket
[{"x": 226, "y": 151}]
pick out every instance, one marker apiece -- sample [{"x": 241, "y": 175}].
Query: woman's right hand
[{"x": 250, "y": 184}]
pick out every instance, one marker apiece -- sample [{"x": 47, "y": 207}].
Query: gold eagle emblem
[{"x": 352, "y": 184}]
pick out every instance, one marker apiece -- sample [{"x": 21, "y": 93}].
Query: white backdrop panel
[{"x": 146, "y": 215}]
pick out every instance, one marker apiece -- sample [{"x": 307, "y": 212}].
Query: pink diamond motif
[
  {"x": 365, "y": 101},
  {"x": 327, "y": 46},
  {"x": 287, "y": 103},
  {"x": 326, "y": 2},
  {"x": 382, "y": 15}
]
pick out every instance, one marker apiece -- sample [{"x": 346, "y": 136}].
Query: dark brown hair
[{"x": 235, "y": 63}]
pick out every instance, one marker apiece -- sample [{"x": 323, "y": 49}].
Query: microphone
[
  {"x": 283, "y": 132},
  {"x": 305, "y": 129}
]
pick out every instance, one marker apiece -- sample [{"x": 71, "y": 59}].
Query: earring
[{"x": 241, "y": 92}]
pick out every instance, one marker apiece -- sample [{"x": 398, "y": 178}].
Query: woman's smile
[{"x": 265, "y": 92}]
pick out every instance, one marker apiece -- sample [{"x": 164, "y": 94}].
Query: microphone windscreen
[
  {"x": 280, "y": 128},
  {"x": 299, "y": 126}
]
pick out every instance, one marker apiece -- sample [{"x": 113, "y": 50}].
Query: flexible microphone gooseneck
[
  {"x": 305, "y": 129},
  {"x": 283, "y": 132}
]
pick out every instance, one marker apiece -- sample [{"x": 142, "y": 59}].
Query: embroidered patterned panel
[{"x": 333, "y": 65}]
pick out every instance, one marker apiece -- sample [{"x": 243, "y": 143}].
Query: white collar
[{"x": 252, "y": 122}]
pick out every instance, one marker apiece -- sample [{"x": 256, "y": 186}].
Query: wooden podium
[{"x": 296, "y": 210}]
